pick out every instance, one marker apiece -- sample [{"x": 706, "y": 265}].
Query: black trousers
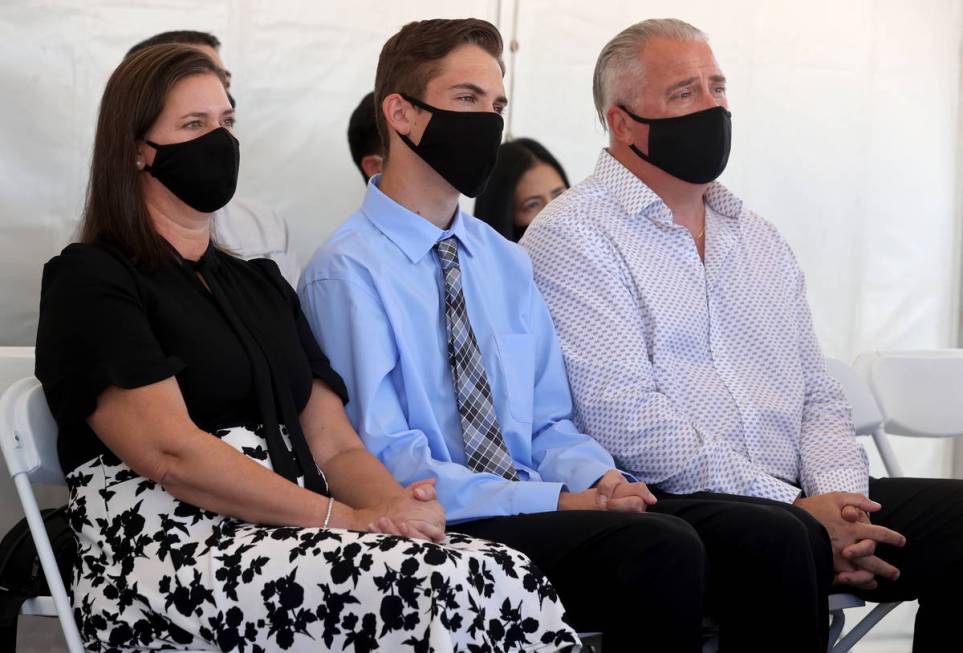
[
  {"x": 770, "y": 567},
  {"x": 929, "y": 512},
  {"x": 637, "y": 578}
]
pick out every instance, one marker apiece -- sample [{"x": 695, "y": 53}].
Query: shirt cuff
[
  {"x": 535, "y": 496},
  {"x": 629, "y": 476},
  {"x": 770, "y": 487},
  {"x": 586, "y": 475},
  {"x": 846, "y": 479}
]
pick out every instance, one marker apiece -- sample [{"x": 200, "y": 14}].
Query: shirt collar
[
  {"x": 410, "y": 232},
  {"x": 207, "y": 261},
  {"x": 637, "y": 198},
  {"x": 723, "y": 201}
]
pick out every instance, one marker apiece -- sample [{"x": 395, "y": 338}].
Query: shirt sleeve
[
  {"x": 831, "y": 458},
  {"x": 350, "y": 323},
  {"x": 616, "y": 397},
  {"x": 559, "y": 450},
  {"x": 94, "y": 332}
]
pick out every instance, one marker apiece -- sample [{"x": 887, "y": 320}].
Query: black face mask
[
  {"x": 202, "y": 173},
  {"x": 693, "y": 147},
  {"x": 461, "y": 146}
]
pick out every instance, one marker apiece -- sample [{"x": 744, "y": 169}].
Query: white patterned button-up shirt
[{"x": 694, "y": 376}]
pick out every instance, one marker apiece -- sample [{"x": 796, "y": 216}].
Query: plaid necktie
[{"x": 484, "y": 444}]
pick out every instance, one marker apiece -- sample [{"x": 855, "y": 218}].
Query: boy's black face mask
[
  {"x": 693, "y": 147},
  {"x": 461, "y": 146},
  {"x": 202, "y": 172}
]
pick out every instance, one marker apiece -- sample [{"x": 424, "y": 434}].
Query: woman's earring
[{"x": 140, "y": 164}]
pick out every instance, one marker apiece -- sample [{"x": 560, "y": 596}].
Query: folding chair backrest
[
  {"x": 29, "y": 434},
  {"x": 918, "y": 392},
  {"x": 866, "y": 414}
]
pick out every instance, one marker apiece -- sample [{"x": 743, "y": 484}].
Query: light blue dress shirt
[{"x": 374, "y": 296}]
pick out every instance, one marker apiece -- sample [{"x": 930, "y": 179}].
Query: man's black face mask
[
  {"x": 461, "y": 146},
  {"x": 693, "y": 147}
]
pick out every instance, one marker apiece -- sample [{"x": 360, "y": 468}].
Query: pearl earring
[{"x": 140, "y": 164}]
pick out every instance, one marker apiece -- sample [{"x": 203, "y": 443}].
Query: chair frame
[{"x": 26, "y": 466}]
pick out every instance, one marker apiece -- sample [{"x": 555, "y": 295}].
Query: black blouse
[{"x": 241, "y": 349}]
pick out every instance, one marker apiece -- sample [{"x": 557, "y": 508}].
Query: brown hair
[
  {"x": 409, "y": 60},
  {"x": 115, "y": 211}
]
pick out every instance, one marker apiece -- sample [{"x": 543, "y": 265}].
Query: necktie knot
[{"x": 447, "y": 253}]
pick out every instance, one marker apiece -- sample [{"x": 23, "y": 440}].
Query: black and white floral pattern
[{"x": 158, "y": 573}]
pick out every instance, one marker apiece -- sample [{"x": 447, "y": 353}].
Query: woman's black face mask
[
  {"x": 461, "y": 146},
  {"x": 693, "y": 147},
  {"x": 202, "y": 172}
]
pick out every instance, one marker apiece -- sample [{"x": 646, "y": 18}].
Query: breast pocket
[{"x": 516, "y": 363}]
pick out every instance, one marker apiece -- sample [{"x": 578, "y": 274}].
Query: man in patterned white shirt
[{"x": 690, "y": 351}]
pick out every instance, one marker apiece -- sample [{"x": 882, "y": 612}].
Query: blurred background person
[
  {"x": 526, "y": 178},
  {"x": 247, "y": 228},
  {"x": 363, "y": 139}
]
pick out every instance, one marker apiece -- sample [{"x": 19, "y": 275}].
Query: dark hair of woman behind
[
  {"x": 496, "y": 204},
  {"x": 115, "y": 211}
]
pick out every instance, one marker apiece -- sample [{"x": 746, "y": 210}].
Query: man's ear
[
  {"x": 372, "y": 164},
  {"x": 396, "y": 110},
  {"x": 624, "y": 130}
]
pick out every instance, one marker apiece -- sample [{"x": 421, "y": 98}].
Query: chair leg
[
  {"x": 837, "y": 621},
  {"x": 859, "y": 630},
  {"x": 886, "y": 453},
  {"x": 48, "y": 563}
]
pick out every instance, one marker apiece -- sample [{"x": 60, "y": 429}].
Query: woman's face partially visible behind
[{"x": 537, "y": 187}]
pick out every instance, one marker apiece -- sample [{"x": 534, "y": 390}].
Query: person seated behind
[
  {"x": 364, "y": 140},
  {"x": 245, "y": 227},
  {"x": 453, "y": 367},
  {"x": 219, "y": 496},
  {"x": 525, "y": 179},
  {"x": 691, "y": 352}
]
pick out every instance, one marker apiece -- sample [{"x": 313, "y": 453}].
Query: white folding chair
[
  {"x": 28, "y": 438},
  {"x": 918, "y": 393},
  {"x": 868, "y": 420}
]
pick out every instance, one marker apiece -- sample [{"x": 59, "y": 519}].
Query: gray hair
[{"x": 618, "y": 68}]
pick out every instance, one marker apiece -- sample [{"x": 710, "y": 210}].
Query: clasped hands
[
  {"x": 845, "y": 515},
  {"x": 415, "y": 512},
  {"x": 611, "y": 492}
]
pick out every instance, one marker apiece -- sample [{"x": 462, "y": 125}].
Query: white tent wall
[{"x": 846, "y": 130}]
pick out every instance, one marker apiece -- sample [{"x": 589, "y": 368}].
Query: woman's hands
[
  {"x": 372, "y": 499},
  {"x": 415, "y": 513}
]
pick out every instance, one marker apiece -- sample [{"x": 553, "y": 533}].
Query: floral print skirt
[{"x": 156, "y": 573}]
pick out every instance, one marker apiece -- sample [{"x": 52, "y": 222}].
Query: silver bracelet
[{"x": 327, "y": 517}]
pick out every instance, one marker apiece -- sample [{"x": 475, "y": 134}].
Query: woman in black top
[
  {"x": 525, "y": 179},
  {"x": 203, "y": 434}
]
